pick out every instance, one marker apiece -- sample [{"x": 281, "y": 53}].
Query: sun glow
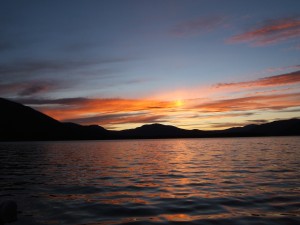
[{"x": 179, "y": 103}]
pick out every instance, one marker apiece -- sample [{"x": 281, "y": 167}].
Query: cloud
[
  {"x": 291, "y": 110},
  {"x": 199, "y": 25},
  {"x": 225, "y": 115},
  {"x": 100, "y": 118},
  {"x": 272, "y": 102},
  {"x": 28, "y": 77},
  {"x": 118, "y": 118},
  {"x": 33, "y": 67},
  {"x": 70, "y": 108},
  {"x": 258, "y": 121},
  {"x": 37, "y": 66},
  {"x": 270, "y": 32},
  {"x": 37, "y": 88},
  {"x": 222, "y": 126},
  {"x": 278, "y": 80},
  {"x": 28, "y": 88},
  {"x": 60, "y": 101}
]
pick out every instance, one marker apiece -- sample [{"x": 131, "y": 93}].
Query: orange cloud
[
  {"x": 278, "y": 80},
  {"x": 65, "y": 109},
  {"x": 270, "y": 32}
]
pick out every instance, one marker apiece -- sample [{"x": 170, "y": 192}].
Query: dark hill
[
  {"x": 19, "y": 122},
  {"x": 278, "y": 128},
  {"x": 22, "y": 122},
  {"x": 275, "y": 128},
  {"x": 160, "y": 131}
]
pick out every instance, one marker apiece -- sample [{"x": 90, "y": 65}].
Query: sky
[{"x": 194, "y": 64}]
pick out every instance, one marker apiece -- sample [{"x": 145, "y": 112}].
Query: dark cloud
[
  {"x": 226, "y": 115},
  {"x": 23, "y": 68},
  {"x": 28, "y": 88},
  {"x": 28, "y": 77},
  {"x": 270, "y": 31},
  {"x": 37, "y": 66},
  {"x": 233, "y": 124},
  {"x": 227, "y": 125},
  {"x": 34, "y": 89},
  {"x": 61, "y": 101},
  {"x": 258, "y": 121},
  {"x": 101, "y": 118},
  {"x": 198, "y": 26},
  {"x": 119, "y": 118}
]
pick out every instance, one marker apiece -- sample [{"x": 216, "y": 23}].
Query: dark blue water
[{"x": 184, "y": 181}]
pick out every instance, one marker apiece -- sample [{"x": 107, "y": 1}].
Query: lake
[{"x": 172, "y": 181}]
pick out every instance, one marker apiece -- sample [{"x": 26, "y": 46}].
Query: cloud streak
[
  {"x": 38, "y": 67},
  {"x": 28, "y": 88},
  {"x": 119, "y": 118},
  {"x": 278, "y": 80},
  {"x": 270, "y": 32},
  {"x": 262, "y": 102}
]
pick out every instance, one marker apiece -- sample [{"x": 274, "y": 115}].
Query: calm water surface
[{"x": 183, "y": 181}]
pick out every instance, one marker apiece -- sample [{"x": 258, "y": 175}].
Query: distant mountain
[
  {"x": 275, "y": 128},
  {"x": 160, "y": 131},
  {"x": 19, "y": 122}
]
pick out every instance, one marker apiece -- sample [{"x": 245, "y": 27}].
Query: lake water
[{"x": 182, "y": 181}]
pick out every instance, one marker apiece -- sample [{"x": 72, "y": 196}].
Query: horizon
[
  {"x": 160, "y": 124},
  {"x": 205, "y": 65}
]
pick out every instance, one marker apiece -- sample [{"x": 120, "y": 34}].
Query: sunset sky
[{"x": 194, "y": 64}]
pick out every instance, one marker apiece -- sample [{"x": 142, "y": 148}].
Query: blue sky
[{"x": 151, "y": 51}]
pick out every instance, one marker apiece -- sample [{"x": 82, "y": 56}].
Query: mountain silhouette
[
  {"x": 160, "y": 131},
  {"x": 275, "y": 128},
  {"x": 19, "y": 122},
  {"x": 22, "y": 123}
]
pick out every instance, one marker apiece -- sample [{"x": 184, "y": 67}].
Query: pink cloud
[
  {"x": 273, "y": 102},
  {"x": 272, "y": 31},
  {"x": 278, "y": 80}
]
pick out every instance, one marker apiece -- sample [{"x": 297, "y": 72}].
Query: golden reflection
[
  {"x": 178, "y": 217},
  {"x": 125, "y": 200},
  {"x": 181, "y": 217}
]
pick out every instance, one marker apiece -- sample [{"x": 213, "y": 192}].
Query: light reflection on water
[{"x": 194, "y": 181}]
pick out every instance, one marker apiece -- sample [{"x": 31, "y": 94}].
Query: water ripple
[{"x": 196, "y": 181}]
